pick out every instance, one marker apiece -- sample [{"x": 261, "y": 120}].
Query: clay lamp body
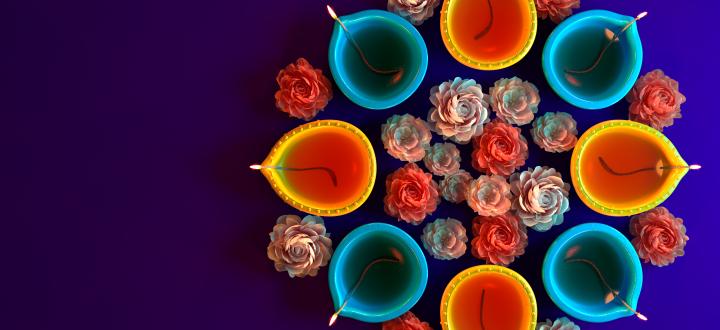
[
  {"x": 593, "y": 58},
  {"x": 593, "y": 273},
  {"x": 377, "y": 58},
  {"x": 377, "y": 273},
  {"x": 488, "y": 34},
  {"x": 488, "y": 297},
  {"x": 622, "y": 168},
  {"x": 325, "y": 167}
]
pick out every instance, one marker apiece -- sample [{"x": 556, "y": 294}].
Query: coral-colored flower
[
  {"x": 500, "y": 149},
  {"x": 411, "y": 194},
  {"x": 454, "y": 186},
  {"x": 489, "y": 195},
  {"x": 557, "y": 10},
  {"x": 515, "y": 101},
  {"x": 406, "y": 137},
  {"x": 299, "y": 247},
  {"x": 445, "y": 239},
  {"x": 655, "y": 100},
  {"x": 407, "y": 321},
  {"x": 415, "y": 11},
  {"x": 304, "y": 90},
  {"x": 459, "y": 110},
  {"x": 442, "y": 159},
  {"x": 562, "y": 323},
  {"x": 555, "y": 131},
  {"x": 659, "y": 237},
  {"x": 541, "y": 197},
  {"x": 498, "y": 239}
]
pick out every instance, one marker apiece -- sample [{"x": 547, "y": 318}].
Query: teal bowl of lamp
[
  {"x": 389, "y": 42},
  {"x": 575, "y": 45},
  {"x": 576, "y": 288},
  {"x": 388, "y": 289}
]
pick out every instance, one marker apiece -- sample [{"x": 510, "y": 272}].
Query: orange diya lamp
[
  {"x": 326, "y": 167},
  {"x": 622, "y": 168},
  {"x": 488, "y": 34},
  {"x": 488, "y": 297}
]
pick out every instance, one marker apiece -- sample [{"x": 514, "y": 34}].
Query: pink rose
[
  {"x": 659, "y": 236},
  {"x": 459, "y": 110},
  {"x": 514, "y": 101},
  {"x": 304, "y": 90},
  {"x": 407, "y": 321},
  {"x": 500, "y": 149},
  {"x": 442, "y": 159},
  {"x": 555, "y": 131},
  {"x": 562, "y": 323},
  {"x": 655, "y": 100},
  {"x": 541, "y": 197},
  {"x": 411, "y": 194},
  {"x": 406, "y": 137},
  {"x": 454, "y": 186},
  {"x": 489, "y": 195},
  {"x": 299, "y": 247},
  {"x": 445, "y": 239},
  {"x": 557, "y": 10},
  {"x": 415, "y": 11},
  {"x": 498, "y": 239}
]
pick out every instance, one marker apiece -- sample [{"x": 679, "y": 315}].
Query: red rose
[
  {"x": 659, "y": 236},
  {"x": 655, "y": 100},
  {"x": 500, "y": 149},
  {"x": 411, "y": 194},
  {"x": 498, "y": 239},
  {"x": 557, "y": 10},
  {"x": 304, "y": 90},
  {"x": 407, "y": 321}
]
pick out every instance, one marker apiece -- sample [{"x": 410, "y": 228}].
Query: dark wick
[
  {"x": 613, "y": 172},
  {"x": 482, "y": 304},
  {"x": 489, "y": 25},
  {"x": 329, "y": 171}
]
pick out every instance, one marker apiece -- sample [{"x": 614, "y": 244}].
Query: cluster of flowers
[{"x": 506, "y": 202}]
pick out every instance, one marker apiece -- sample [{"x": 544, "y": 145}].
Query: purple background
[{"x": 128, "y": 127}]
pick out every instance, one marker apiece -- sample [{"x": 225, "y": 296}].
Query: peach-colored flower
[
  {"x": 454, "y": 186},
  {"x": 459, "y": 110},
  {"x": 515, "y": 101},
  {"x": 541, "y": 197},
  {"x": 500, "y": 149},
  {"x": 299, "y": 247},
  {"x": 498, "y": 239},
  {"x": 655, "y": 100},
  {"x": 415, "y": 11},
  {"x": 411, "y": 194},
  {"x": 659, "y": 237},
  {"x": 445, "y": 239},
  {"x": 406, "y": 137},
  {"x": 562, "y": 323},
  {"x": 407, "y": 321},
  {"x": 304, "y": 90},
  {"x": 489, "y": 195},
  {"x": 555, "y": 131},
  {"x": 557, "y": 10},
  {"x": 442, "y": 159}
]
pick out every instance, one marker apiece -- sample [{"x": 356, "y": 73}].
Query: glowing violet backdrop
[{"x": 128, "y": 127}]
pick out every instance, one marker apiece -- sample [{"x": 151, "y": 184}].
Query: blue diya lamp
[
  {"x": 377, "y": 58},
  {"x": 593, "y": 58},
  {"x": 377, "y": 273},
  {"x": 593, "y": 273}
]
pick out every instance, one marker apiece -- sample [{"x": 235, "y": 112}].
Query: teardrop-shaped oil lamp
[
  {"x": 488, "y": 34},
  {"x": 326, "y": 167},
  {"x": 621, "y": 168},
  {"x": 488, "y": 297}
]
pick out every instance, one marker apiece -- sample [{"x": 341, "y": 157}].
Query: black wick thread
[
  {"x": 329, "y": 171},
  {"x": 613, "y": 172},
  {"x": 482, "y": 304},
  {"x": 489, "y": 25}
]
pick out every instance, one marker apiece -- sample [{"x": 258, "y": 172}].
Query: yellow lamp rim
[
  {"x": 475, "y": 270},
  {"x": 280, "y": 146},
  {"x": 488, "y": 66},
  {"x": 619, "y": 212}
]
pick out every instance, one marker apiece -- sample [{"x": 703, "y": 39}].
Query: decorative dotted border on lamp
[
  {"x": 455, "y": 282},
  {"x": 580, "y": 187},
  {"x": 455, "y": 52},
  {"x": 316, "y": 211}
]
